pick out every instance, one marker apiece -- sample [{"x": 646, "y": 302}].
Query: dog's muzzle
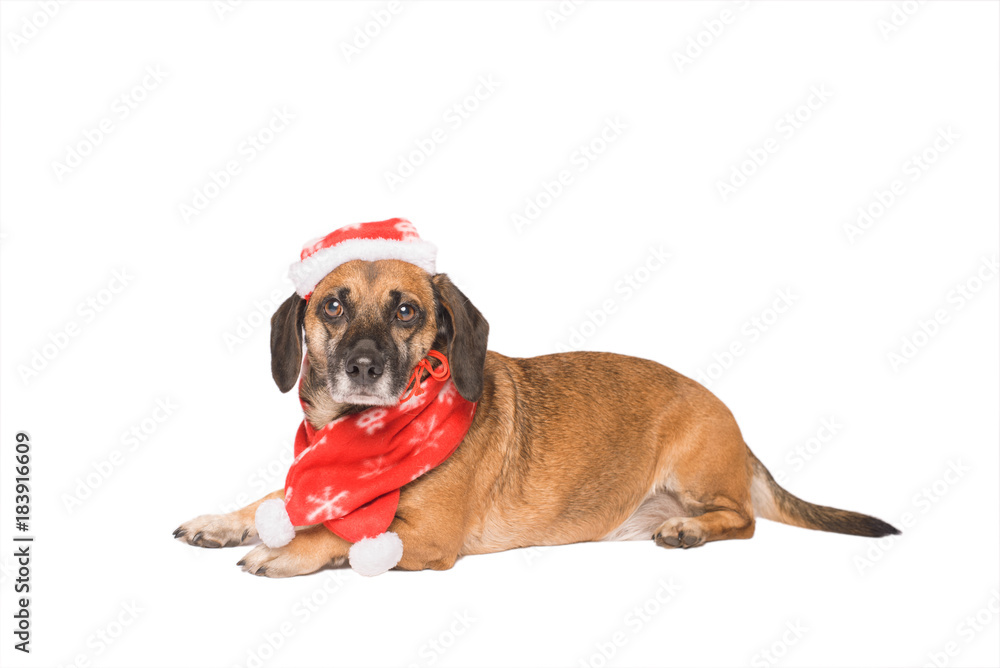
[{"x": 364, "y": 364}]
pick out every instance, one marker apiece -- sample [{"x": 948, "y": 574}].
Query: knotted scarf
[{"x": 347, "y": 475}]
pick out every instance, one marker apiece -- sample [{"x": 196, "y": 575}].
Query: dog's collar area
[{"x": 440, "y": 373}]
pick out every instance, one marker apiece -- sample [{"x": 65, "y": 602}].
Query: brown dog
[{"x": 551, "y": 457}]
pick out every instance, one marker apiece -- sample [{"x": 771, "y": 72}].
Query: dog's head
[{"x": 366, "y": 325}]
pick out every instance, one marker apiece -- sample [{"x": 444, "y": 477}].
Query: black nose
[{"x": 365, "y": 363}]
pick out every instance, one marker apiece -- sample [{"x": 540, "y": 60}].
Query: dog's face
[{"x": 368, "y": 324}]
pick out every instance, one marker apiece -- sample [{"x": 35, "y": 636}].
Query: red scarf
[{"x": 347, "y": 475}]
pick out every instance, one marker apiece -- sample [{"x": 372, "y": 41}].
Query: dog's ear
[
  {"x": 286, "y": 342},
  {"x": 465, "y": 331}
]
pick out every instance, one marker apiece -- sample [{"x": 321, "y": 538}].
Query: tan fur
[{"x": 563, "y": 449}]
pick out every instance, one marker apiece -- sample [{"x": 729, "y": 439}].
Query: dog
[{"x": 563, "y": 448}]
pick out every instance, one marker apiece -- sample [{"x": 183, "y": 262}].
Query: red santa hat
[{"x": 393, "y": 239}]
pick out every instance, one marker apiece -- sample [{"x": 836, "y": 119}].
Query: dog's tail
[{"x": 773, "y": 502}]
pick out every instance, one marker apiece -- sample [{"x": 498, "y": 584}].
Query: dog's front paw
[
  {"x": 309, "y": 551},
  {"x": 679, "y": 532},
  {"x": 216, "y": 531}
]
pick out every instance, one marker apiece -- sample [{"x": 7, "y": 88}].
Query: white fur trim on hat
[
  {"x": 374, "y": 556},
  {"x": 273, "y": 525},
  {"x": 306, "y": 274}
]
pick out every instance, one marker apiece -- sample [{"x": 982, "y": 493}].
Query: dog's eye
[
  {"x": 406, "y": 313},
  {"x": 334, "y": 308}
]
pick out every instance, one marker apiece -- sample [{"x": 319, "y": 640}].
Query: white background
[{"x": 186, "y": 328}]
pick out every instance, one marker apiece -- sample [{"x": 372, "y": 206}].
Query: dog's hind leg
[
  {"x": 721, "y": 524},
  {"x": 709, "y": 474}
]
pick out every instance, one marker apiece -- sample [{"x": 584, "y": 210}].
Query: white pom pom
[
  {"x": 273, "y": 525},
  {"x": 374, "y": 556}
]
